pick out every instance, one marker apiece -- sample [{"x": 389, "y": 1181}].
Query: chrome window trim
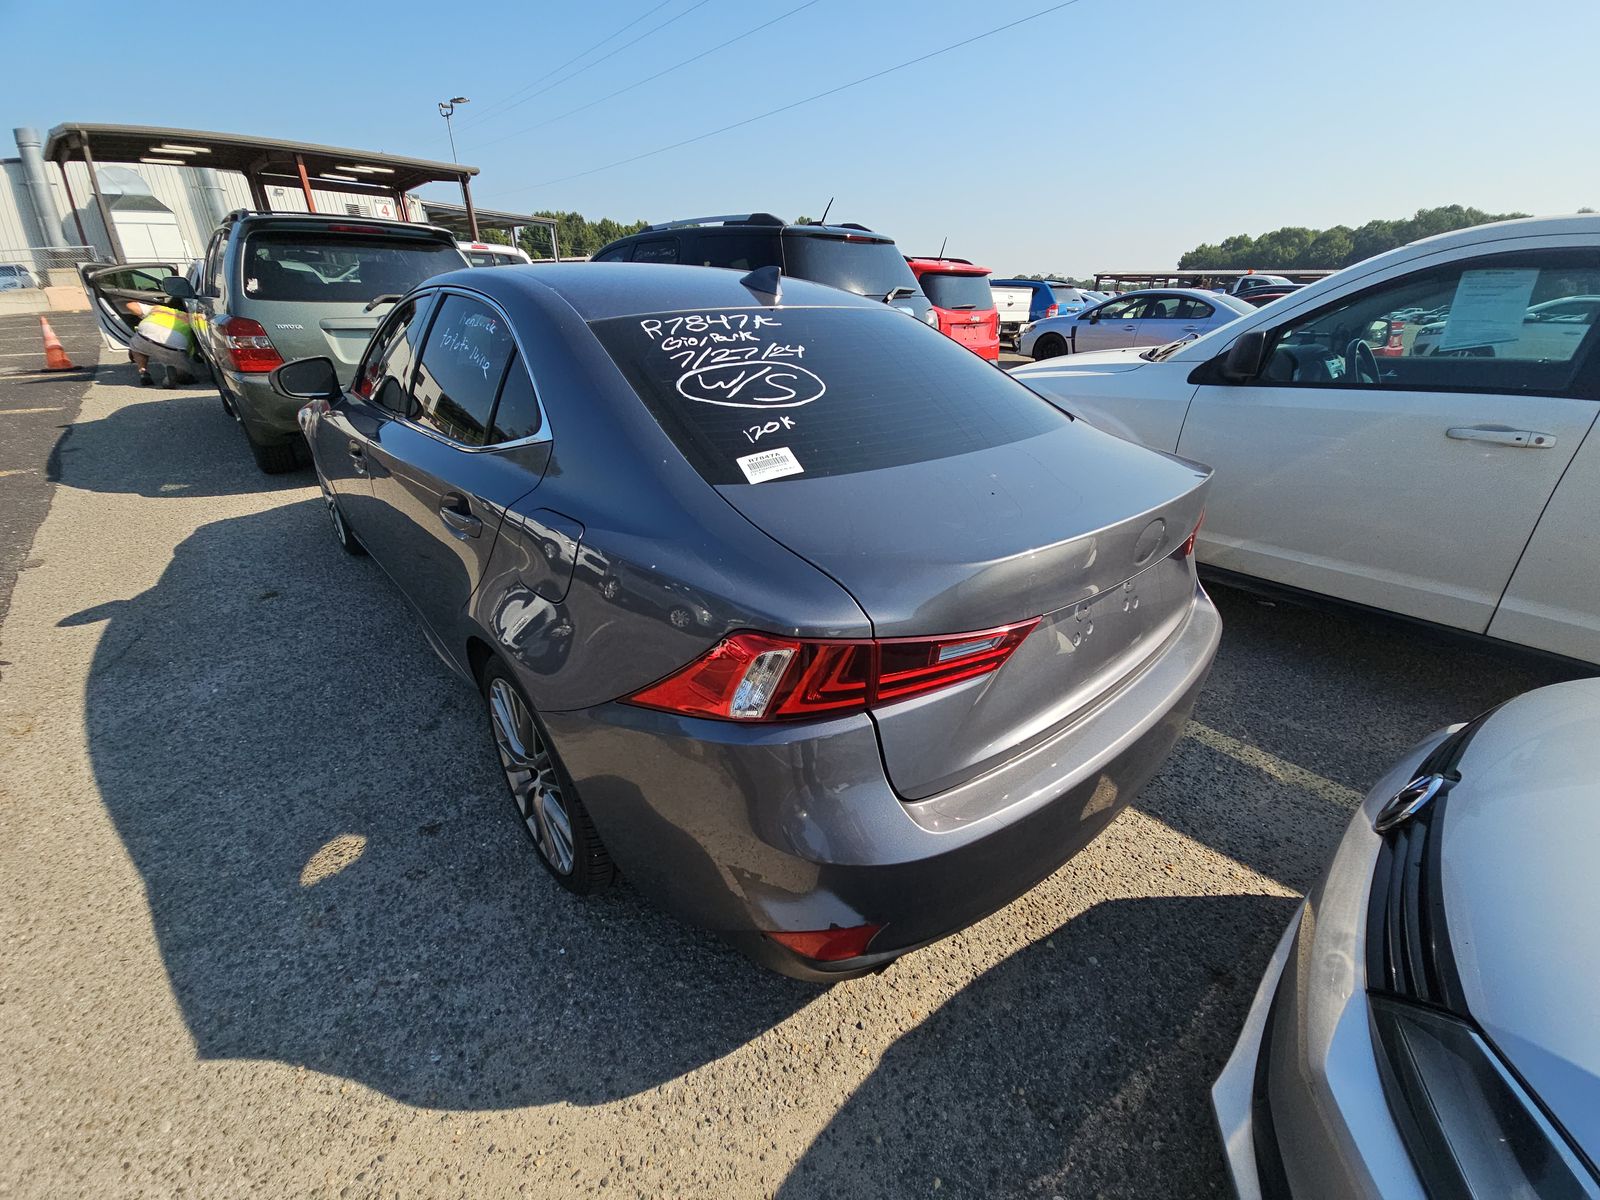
[{"x": 437, "y": 294}]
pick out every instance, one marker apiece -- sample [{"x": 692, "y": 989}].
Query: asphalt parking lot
[{"x": 268, "y": 924}]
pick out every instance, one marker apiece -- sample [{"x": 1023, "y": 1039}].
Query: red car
[{"x": 959, "y": 293}]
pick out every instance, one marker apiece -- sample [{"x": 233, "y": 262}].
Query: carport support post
[
  {"x": 100, "y": 203},
  {"x": 72, "y": 202},
  {"x": 472, "y": 213},
  {"x": 305, "y": 183},
  {"x": 401, "y": 208}
]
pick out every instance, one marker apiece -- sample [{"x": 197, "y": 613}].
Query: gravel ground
[{"x": 268, "y": 924}]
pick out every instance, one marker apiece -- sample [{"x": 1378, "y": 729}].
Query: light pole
[{"x": 447, "y": 109}]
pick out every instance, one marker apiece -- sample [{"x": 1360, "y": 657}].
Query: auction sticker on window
[{"x": 770, "y": 464}]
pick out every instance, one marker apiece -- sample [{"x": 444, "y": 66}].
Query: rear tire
[
  {"x": 276, "y": 459},
  {"x": 553, "y": 817},
  {"x": 342, "y": 533},
  {"x": 1051, "y": 345}
]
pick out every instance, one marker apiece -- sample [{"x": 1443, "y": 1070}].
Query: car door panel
[
  {"x": 119, "y": 296},
  {"x": 1553, "y": 600},
  {"x": 1363, "y": 494}
]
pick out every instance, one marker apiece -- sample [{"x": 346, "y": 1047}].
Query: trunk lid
[{"x": 1075, "y": 527}]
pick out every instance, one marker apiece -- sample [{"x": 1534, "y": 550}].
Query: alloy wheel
[{"x": 531, "y": 774}]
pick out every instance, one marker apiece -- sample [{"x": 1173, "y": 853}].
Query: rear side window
[
  {"x": 755, "y": 394},
  {"x": 739, "y": 251},
  {"x": 463, "y": 362},
  {"x": 517, "y": 414},
  {"x": 317, "y": 268},
  {"x": 958, "y": 291},
  {"x": 665, "y": 251}
]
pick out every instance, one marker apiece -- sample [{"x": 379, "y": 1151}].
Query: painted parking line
[
  {"x": 17, "y": 412},
  {"x": 1270, "y": 764}
]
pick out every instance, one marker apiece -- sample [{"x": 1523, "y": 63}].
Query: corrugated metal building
[{"x": 197, "y": 198}]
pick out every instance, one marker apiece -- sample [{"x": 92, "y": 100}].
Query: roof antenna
[
  {"x": 943, "y": 244},
  {"x": 823, "y": 220},
  {"x": 765, "y": 283}
]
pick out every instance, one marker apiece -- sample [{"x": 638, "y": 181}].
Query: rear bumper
[
  {"x": 269, "y": 416},
  {"x": 786, "y": 827},
  {"x": 1299, "y": 1105}
]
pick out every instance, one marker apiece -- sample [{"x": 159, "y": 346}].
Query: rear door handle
[
  {"x": 1502, "y": 435},
  {"x": 453, "y": 508}
]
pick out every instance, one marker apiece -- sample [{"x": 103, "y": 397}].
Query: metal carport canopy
[
  {"x": 259, "y": 160},
  {"x": 454, "y": 217}
]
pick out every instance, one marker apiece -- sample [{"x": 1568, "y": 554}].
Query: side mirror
[
  {"x": 1242, "y": 363},
  {"x": 177, "y": 287},
  {"x": 1094, "y": 317},
  {"x": 307, "y": 379}
]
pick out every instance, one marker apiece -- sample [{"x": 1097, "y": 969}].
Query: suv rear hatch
[
  {"x": 966, "y": 308},
  {"x": 854, "y": 260},
  {"x": 946, "y": 498},
  {"x": 310, "y": 285}
]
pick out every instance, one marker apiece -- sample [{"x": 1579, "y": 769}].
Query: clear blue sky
[{"x": 1107, "y": 135}]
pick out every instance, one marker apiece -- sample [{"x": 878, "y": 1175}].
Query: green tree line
[
  {"x": 1296, "y": 247},
  {"x": 577, "y": 235}
]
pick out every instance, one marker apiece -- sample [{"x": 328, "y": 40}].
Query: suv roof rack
[{"x": 754, "y": 218}]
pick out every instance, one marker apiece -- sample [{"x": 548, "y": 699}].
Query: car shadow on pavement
[
  {"x": 336, "y": 875},
  {"x": 1079, "y": 1057},
  {"x": 1304, "y": 710},
  {"x": 169, "y": 442}
]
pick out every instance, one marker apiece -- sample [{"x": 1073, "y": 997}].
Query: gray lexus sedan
[
  {"x": 831, "y": 636},
  {"x": 1427, "y": 1027}
]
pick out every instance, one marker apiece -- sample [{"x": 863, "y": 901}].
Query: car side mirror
[
  {"x": 1094, "y": 317},
  {"x": 177, "y": 287},
  {"x": 1242, "y": 363},
  {"x": 307, "y": 379}
]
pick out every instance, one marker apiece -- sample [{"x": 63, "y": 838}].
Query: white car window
[{"x": 1507, "y": 323}]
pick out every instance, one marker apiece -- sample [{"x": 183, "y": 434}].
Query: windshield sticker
[
  {"x": 723, "y": 359},
  {"x": 770, "y": 464}
]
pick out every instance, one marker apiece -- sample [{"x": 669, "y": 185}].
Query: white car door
[{"x": 1352, "y": 468}]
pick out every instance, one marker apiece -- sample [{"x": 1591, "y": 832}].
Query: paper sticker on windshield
[{"x": 770, "y": 464}]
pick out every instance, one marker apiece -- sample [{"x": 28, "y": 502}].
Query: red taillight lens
[
  {"x": 1187, "y": 549},
  {"x": 757, "y": 677},
  {"x": 828, "y": 945},
  {"x": 1052, "y": 310},
  {"x": 249, "y": 346}
]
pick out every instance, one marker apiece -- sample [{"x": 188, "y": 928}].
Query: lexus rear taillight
[
  {"x": 759, "y": 677},
  {"x": 249, "y": 346}
]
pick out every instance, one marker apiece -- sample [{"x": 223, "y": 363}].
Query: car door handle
[
  {"x": 358, "y": 458},
  {"x": 1190, "y": 328},
  {"x": 1130, "y": 327},
  {"x": 1502, "y": 435},
  {"x": 454, "y": 511}
]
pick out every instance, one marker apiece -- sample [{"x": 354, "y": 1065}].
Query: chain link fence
[{"x": 44, "y": 266}]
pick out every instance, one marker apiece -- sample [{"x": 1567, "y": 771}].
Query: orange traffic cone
[{"x": 55, "y": 358}]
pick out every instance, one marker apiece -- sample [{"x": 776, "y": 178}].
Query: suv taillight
[
  {"x": 249, "y": 346},
  {"x": 759, "y": 677},
  {"x": 1052, "y": 310}
]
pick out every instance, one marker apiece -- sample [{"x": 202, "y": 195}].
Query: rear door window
[
  {"x": 308, "y": 266},
  {"x": 664, "y": 251},
  {"x": 749, "y": 395},
  {"x": 463, "y": 362},
  {"x": 958, "y": 291},
  {"x": 739, "y": 251}
]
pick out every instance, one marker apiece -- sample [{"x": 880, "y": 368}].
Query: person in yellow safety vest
[{"x": 165, "y": 336}]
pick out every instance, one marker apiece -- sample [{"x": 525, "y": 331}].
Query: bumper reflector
[{"x": 827, "y": 945}]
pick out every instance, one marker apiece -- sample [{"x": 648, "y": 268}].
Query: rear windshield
[
  {"x": 958, "y": 291},
  {"x": 753, "y": 395},
  {"x": 867, "y": 268},
  {"x": 313, "y": 267}
]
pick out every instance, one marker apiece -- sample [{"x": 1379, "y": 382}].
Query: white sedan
[
  {"x": 1150, "y": 318},
  {"x": 1458, "y": 485}
]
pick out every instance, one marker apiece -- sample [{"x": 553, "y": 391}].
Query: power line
[
  {"x": 609, "y": 54},
  {"x": 489, "y": 108},
  {"x": 649, "y": 79},
  {"x": 833, "y": 91}
]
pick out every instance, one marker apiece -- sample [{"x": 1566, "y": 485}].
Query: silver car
[
  {"x": 1427, "y": 1027},
  {"x": 828, "y": 635},
  {"x": 1151, "y": 318}
]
